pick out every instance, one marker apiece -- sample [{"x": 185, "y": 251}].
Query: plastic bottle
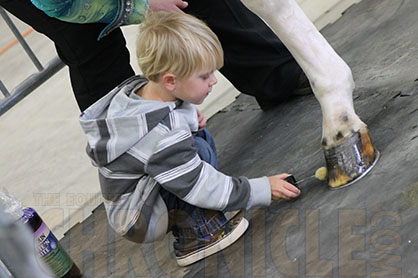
[
  {"x": 49, "y": 249},
  {"x": 53, "y": 259}
]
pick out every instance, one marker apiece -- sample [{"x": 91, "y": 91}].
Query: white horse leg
[{"x": 330, "y": 77}]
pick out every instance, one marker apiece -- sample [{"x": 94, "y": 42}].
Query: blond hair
[{"x": 176, "y": 43}]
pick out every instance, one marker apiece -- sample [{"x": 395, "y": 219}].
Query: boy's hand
[
  {"x": 202, "y": 120},
  {"x": 281, "y": 188},
  {"x": 167, "y": 5}
]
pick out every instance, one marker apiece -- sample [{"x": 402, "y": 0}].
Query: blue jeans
[
  {"x": 186, "y": 220},
  {"x": 205, "y": 146}
]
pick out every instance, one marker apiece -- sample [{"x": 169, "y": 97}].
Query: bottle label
[{"x": 51, "y": 253}]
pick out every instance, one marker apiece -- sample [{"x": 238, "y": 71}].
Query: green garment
[{"x": 113, "y": 12}]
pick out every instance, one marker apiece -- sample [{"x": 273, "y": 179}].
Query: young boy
[{"x": 157, "y": 166}]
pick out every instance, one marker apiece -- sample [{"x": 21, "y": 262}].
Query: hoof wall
[
  {"x": 351, "y": 160},
  {"x": 377, "y": 156}
]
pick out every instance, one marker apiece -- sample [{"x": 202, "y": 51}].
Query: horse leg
[{"x": 332, "y": 83}]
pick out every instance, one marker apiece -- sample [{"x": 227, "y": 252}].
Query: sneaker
[
  {"x": 231, "y": 214},
  {"x": 191, "y": 249}
]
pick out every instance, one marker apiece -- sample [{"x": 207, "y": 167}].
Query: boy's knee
[
  {"x": 206, "y": 152},
  {"x": 205, "y": 146}
]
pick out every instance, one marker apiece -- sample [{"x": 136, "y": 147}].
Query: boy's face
[{"x": 195, "y": 88}]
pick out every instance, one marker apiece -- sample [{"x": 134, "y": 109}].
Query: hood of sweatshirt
[{"x": 121, "y": 118}]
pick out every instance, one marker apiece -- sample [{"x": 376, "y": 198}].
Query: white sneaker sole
[{"x": 216, "y": 247}]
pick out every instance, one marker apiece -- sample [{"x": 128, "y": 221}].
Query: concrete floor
[{"x": 366, "y": 230}]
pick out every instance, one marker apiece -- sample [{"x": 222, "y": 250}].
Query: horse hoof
[{"x": 351, "y": 160}]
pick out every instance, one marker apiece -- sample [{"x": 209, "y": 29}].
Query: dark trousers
[
  {"x": 96, "y": 67},
  {"x": 256, "y": 62}
]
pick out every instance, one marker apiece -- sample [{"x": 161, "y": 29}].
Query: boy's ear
[{"x": 169, "y": 81}]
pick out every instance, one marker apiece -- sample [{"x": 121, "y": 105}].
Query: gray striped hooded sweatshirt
[{"x": 139, "y": 145}]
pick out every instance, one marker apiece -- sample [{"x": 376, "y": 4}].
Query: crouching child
[{"x": 157, "y": 163}]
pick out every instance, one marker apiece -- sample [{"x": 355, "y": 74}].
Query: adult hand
[
  {"x": 281, "y": 188},
  {"x": 202, "y": 120},
  {"x": 167, "y": 5}
]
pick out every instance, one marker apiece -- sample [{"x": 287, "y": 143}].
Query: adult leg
[
  {"x": 333, "y": 84},
  {"x": 256, "y": 62},
  {"x": 96, "y": 67}
]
